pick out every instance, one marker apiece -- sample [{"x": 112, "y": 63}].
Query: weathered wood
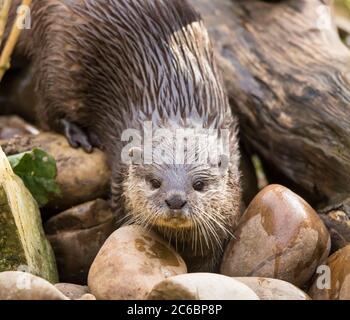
[
  {"x": 337, "y": 219},
  {"x": 289, "y": 82},
  {"x": 288, "y": 79}
]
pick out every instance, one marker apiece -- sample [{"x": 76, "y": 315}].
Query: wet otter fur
[{"x": 105, "y": 66}]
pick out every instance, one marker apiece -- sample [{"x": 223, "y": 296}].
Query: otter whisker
[
  {"x": 204, "y": 236},
  {"x": 213, "y": 233},
  {"x": 221, "y": 224}
]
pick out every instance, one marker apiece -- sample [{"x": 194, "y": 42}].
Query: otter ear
[{"x": 135, "y": 155}]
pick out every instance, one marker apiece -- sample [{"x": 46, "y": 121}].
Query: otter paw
[{"x": 76, "y": 136}]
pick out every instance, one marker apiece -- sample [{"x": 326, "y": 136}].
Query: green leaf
[{"x": 38, "y": 171}]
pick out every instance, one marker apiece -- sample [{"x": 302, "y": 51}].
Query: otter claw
[{"x": 76, "y": 136}]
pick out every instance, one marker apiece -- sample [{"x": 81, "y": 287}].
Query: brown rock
[
  {"x": 11, "y": 126},
  {"x": 130, "y": 263},
  {"x": 339, "y": 278},
  {"x": 72, "y": 291},
  {"x": 280, "y": 236},
  {"x": 273, "y": 289},
  {"x": 82, "y": 177},
  {"x": 76, "y": 236}
]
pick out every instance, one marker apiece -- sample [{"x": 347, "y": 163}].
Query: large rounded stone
[
  {"x": 280, "y": 236},
  {"x": 77, "y": 235},
  {"x": 81, "y": 177},
  {"x": 16, "y": 285},
  {"x": 130, "y": 263},
  {"x": 11, "y": 126},
  {"x": 201, "y": 286}
]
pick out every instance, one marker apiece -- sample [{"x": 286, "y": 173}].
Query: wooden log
[
  {"x": 288, "y": 79},
  {"x": 337, "y": 218}
]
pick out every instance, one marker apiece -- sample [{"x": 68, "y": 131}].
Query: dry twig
[
  {"x": 4, "y": 11},
  {"x": 11, "y": 41}
]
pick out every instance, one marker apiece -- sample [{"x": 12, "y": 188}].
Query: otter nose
[{"x": 176, "y": 202}]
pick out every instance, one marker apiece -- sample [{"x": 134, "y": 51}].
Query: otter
[{"x": 104, "y": 67}]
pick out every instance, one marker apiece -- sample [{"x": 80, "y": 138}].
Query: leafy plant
[{"x": 38, "y": 171}]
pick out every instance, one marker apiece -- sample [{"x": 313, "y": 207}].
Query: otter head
[{"x": 196, "y": 200}]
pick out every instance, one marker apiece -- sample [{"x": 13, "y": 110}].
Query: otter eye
[
  {"x": 198, "y": 186},
  {"x": 156, "y": 184}
]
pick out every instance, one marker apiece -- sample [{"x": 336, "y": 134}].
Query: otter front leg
[{"x": 76, "y": 136}]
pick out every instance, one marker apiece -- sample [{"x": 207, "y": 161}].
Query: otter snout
[{"x": 176, "y": 202}]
